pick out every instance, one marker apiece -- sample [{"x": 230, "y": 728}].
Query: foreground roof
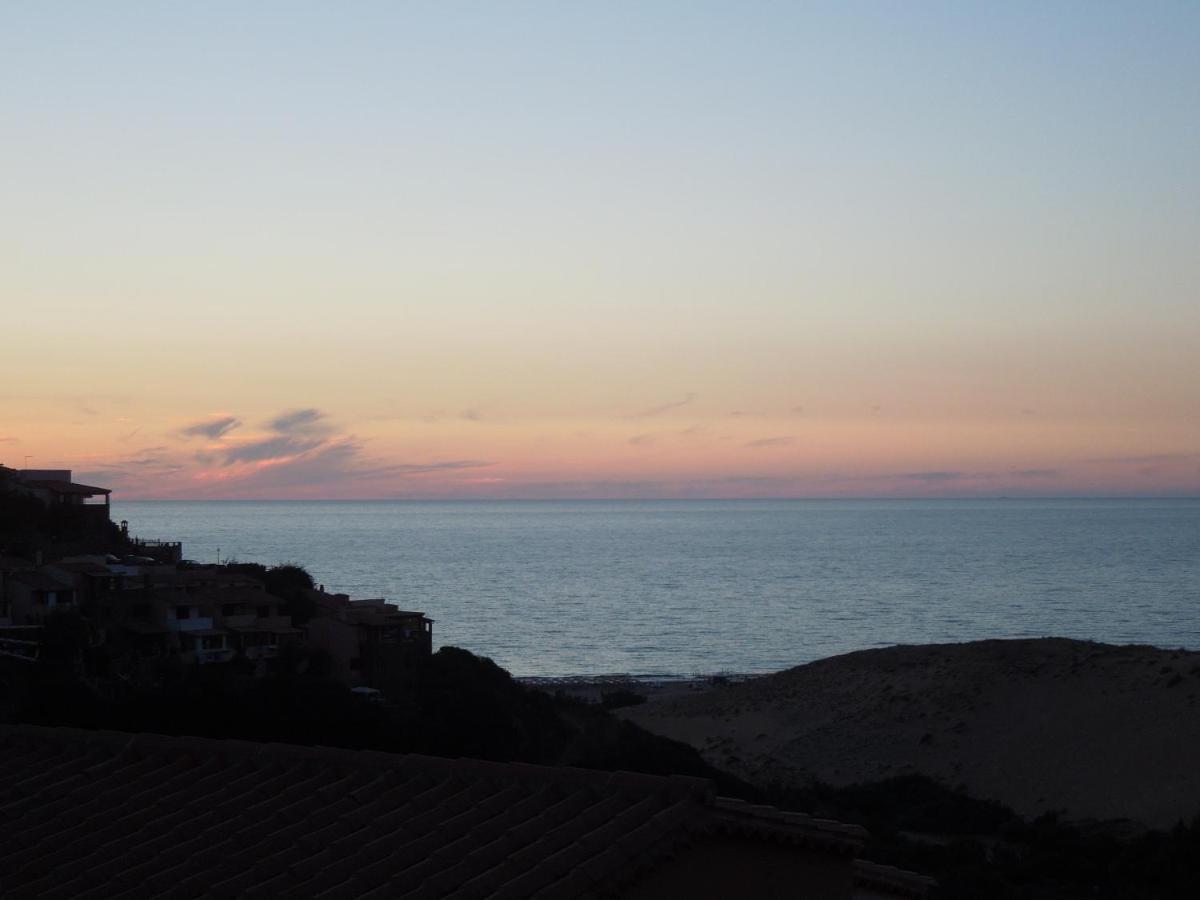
[{"x": 106, "y": 814}]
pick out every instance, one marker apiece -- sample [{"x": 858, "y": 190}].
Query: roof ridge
[
  {"x": 911, "y": 883},
  {"x": 735, "y": 813}
]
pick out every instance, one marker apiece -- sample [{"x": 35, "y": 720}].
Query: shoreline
[{"x": 593, "y": 688}]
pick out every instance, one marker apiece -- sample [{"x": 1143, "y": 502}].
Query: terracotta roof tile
[{"x": 118, "y": 815}]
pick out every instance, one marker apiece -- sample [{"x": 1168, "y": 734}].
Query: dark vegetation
[
  {"x": 459, "y": 704},
  {"x": 286, "y": 581},
  {"x": 979, "y": 849}
]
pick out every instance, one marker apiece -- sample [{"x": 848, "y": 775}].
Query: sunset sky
[{"x": 642, "y": 249}]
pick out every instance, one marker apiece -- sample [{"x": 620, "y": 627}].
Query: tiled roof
[
  {"x": 83, "y": 567},
  {"x": 41, "y": 581},
  {"x": 104, "y": 814}
]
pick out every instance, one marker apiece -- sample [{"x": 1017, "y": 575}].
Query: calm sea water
[{"x": 687, "y": 587}]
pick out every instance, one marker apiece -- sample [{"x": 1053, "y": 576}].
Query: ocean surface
[{"x": 681, "y": 588}]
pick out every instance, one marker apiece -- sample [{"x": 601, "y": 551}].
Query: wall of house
[
  {"x": 715, "y": 867},
  {"x": 341, "y": 641}
]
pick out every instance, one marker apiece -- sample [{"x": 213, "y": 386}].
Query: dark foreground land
[{"x": 462, "y": 705}]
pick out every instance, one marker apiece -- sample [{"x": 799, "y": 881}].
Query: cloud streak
[
  {"x": 298, "y": 421},
  {"x": 276, "y": 447},
  {"x": 209, "y": 428},
  {"x": 663, "y": 407}
]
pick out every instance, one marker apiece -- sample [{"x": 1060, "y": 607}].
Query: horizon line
[{"x": 483, "y": 499}]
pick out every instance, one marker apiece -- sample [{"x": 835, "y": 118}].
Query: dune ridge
[{"x": 1092, "y": 730}]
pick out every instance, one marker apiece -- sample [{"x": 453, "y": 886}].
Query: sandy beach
[{"x": 1091, "y": 730}]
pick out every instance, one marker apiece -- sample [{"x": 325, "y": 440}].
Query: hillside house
[
  {"x": 371, "y": 643},
  {"x": 30, "y": 596},
  {"x": 55, "y": 489}
]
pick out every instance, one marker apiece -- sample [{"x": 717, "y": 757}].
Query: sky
[{"x": 620, "y": 249}]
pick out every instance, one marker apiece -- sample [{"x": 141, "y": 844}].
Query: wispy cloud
[
  {"x": 304, "y": 421},
  {"x": 274, "y": 447},
  {"x": 470, "y": 414},
  {"x": 330, "y": 463},
  {"x": 1036, "y": 473},
  {"x": 209, "y": 428},
  {"x": 145, "y": 465},
  {"x": 303, "y": 453},
  {"x": 642, "y": 440},
  {"x": 770, "y": 442},
  {"x": 663, "y": 407},
  {"x": 1144, "y": 459}
]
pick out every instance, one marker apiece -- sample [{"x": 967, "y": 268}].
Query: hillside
[{"x": 1095, "y": 731}]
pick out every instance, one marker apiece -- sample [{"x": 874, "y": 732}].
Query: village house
[
  {"x": 149, "y": 604},
  {"x": 371, "y": 643},
  {"x": 55, "y": 489},
  {"x": 30, "y": 596},
  {"x": 205, "y": 615},
  {"x": 9, "y": 566}
]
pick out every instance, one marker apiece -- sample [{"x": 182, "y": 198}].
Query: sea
[{"x": 682, "y": 589}]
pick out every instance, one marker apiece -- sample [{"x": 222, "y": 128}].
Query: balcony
[
  {"x": 191, "y": 624},
  {"x": 212, "y": 656}
]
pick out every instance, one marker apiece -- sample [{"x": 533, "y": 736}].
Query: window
[{"x": 183, "y": 612}]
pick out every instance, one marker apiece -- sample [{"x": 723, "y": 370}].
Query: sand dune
[{"x": 1096, "y": 730}]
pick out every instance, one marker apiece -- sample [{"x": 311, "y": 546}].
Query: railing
[
  {"x": 163, "y": 551},
  {"x": 15, "y": 642}
]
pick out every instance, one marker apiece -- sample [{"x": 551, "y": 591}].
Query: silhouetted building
[
  {"x": 55, "y": 489},
  {"x": 204, "y": 615},
  {"x": 31, "y": 596},
  {"x": 371, "y": 643}
]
